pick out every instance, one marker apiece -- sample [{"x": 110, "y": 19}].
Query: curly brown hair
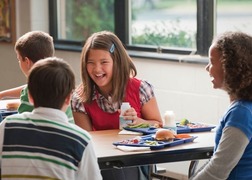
[{"x": 236, "y": 51}]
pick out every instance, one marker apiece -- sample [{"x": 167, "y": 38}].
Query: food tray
[
  {"x": 194, "y": 127},
  {"x": 149, "y": 130},
  {"x": 6, "y": 112},
  {"x": 144, "y": 141}
]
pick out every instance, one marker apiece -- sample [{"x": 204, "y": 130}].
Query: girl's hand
[{"x": 130, "y": 114}]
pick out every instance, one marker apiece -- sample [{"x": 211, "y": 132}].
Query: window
[
  {"x": 77, "y": 19},
  {"x": 72, "y": 21},
  {"x": 163, "y": 27},
  {"x": 162, "y": 23},
  {"x": 234, "y": 15}
]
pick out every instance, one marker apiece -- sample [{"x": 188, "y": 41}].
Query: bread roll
[
  {"x": 12, "y": 105},
  {"x": 164, "y": 135}
]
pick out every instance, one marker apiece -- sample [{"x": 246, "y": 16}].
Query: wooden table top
[{"x": 109, "y": 156}]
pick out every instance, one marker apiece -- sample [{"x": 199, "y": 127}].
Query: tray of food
[
  {"x": 185, "y": 124},
  {"x": 161, "y": 139},
  {"x": 6, "y": 112},
  {"x": 195, "y": 127},
  {"x": 181, "y": 128},
  {"x": 144, "y": 131}
]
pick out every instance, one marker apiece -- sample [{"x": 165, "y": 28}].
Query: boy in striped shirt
[{"x": 42, "y": 144}]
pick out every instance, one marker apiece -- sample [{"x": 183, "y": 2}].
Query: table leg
[{"x": 192, "y": 168}]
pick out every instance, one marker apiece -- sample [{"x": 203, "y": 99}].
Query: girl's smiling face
[
  {"x": 214, "y": 68},
  {"x": 100, "y": 69}
]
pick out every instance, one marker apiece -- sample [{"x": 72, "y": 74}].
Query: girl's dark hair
[
  {"x": 236, "y": 51},
  {"x": 123, "y": 67},
  {"x": 50, "y": 81}
]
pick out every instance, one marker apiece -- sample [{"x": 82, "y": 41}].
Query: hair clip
[{"x": 112, "y": 48}]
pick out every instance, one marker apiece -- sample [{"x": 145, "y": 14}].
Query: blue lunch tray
[
  {"x": 180, "y": 129},
  {"x": 6, "y": 112},
  {"x": 143, "y": 142}
]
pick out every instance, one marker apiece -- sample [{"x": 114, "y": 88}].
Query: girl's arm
[
  {"x": 150, "y": 113},
  {"x": 82, "y": 120},
  {"x": 230, "y": 150}
]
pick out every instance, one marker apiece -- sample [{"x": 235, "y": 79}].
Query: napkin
[
  {"x": 132, "y": 148},
  {"x": 129, "y": 132}
]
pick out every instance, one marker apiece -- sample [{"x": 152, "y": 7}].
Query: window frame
[{"x": 206, "y": 20}]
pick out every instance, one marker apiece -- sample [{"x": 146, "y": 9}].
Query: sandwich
[{"x": 164, "y": 135}]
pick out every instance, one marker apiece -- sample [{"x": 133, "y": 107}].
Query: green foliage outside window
[
  {"x": 158, "y": 34},
  {"x": 161, "y": 36},
  {"x": 84, "y": 17}
]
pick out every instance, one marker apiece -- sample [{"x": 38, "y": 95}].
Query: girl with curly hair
[{"x": 230, "y": 67}]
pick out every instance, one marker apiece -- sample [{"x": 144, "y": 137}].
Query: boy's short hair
[
  {"x": 35, "y": 45},
  {"x": 50, "y": 81}
]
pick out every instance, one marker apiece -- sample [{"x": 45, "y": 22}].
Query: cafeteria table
[{"x": 111, "y": 157}]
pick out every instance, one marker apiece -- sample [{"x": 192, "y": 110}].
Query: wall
[{"x": 184, "y": 88}]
